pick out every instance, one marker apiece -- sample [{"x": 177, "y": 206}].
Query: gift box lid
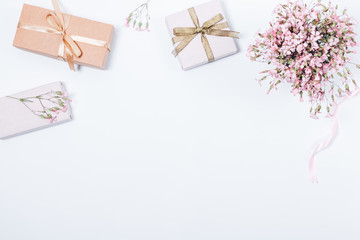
[{"x": 194, "y": 54}]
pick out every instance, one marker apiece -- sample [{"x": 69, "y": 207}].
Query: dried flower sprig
[
  {"x": 47, "y": 105},
  {"x": 309, "y": 47},
  {"x": 139, "y": 18}
]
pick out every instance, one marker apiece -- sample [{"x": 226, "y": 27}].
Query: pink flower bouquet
[{"x": 309, "y": 47}]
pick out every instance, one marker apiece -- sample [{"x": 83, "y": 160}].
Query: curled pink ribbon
[{"x": 327, "y": 142}]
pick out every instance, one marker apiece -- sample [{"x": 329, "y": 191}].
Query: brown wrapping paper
[{"x": 48, "y": 43}]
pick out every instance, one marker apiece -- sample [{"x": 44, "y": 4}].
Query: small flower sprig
[
  {"x": 309, "y": 47},
  {"x": 47, "y": 105},
  {"x": 139, "y": 19}
]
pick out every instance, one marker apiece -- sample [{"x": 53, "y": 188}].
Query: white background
[{"x": 158, "y": 153}]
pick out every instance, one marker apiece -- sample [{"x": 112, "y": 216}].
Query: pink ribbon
[{"x": 327, "y": 142}]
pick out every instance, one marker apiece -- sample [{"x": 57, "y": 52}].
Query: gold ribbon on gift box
[
  {"x": 58, "y": 25},
  {"x": 184, "y": 35}
]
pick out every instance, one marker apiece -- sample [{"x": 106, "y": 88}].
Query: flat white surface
[{"x": 158, "y": 153}]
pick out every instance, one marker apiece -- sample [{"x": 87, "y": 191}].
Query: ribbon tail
[
  {"x": 322, "y": 146},
  {"x": 70, "y": 59},
  {"x": 183, "y": 44},
  {"x": 223, "y": 33},
  {"x": 326, "y": 143},
  {"x": 206, "y": 44},
  {"x": 177, "y": 39}
]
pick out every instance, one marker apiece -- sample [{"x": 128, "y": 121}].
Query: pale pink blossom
[
  {"x": 64, "y": 109},
  {"x": 53, "y": 119}
]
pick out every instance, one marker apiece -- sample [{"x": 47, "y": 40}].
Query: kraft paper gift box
[
  {"x": 194, "y": 55},
  {"x": 36, "y": 34},
  {"x": 33, "y": 110}
]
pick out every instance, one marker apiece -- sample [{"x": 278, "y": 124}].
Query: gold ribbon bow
[
  {"x": 56, "y": 20},
  {"x": 68, "y": 47},
  {"x": 185, "y": 35}
]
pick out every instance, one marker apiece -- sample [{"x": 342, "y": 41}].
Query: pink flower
[
  {"x": 64, "y": 109},
  {"x": 53, "y": 119},
  {"x": 295, "y": 91},
  {"x": 299, "y": 48}
]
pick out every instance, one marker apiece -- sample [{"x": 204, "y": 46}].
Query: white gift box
[
  {"x": 194, "y": 55},
  {"x": 33, "y": 109}
]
